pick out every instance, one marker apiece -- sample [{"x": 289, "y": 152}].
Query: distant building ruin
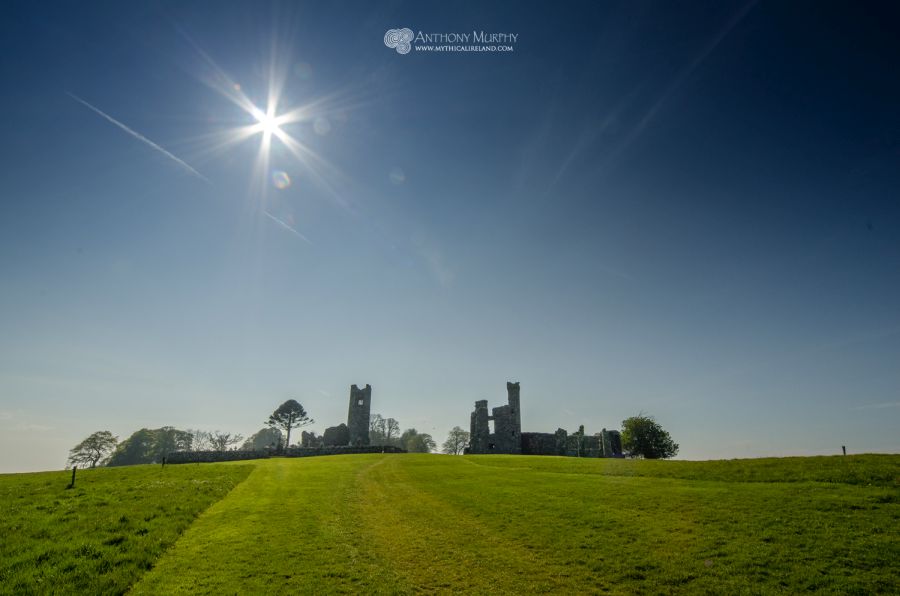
[
  {"x": 507, "y": 436},
  {"x": 336, "y": 436},
  {"x": 355, "y": 432},
  {"x": 358, "y": 414},
  {"x": 310, "y": 439}
]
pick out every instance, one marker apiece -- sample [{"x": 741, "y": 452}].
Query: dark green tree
[
  {"x": 416, "y": 442},
  {"x": 93, "y": 449},
  {"x": 148, "y": 446},
  {"x": 136, "y": 449},
  {"x": 643, "y": 437},
  {"x": 169, "y": 440},
  {"x": 288, "y": 416}
]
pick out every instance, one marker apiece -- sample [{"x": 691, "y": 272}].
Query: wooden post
[
  {"x": 844, "y": 447},
  {"x": 72, "y": 484}
]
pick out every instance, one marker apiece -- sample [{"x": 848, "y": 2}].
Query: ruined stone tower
[
  {"x": 507, "y": 435},
  {"x": 358, "y": 414}
]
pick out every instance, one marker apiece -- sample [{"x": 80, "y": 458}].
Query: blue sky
[{"x": 688, "y": 210}]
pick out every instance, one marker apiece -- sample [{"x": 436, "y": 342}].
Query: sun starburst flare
[{"x": 276, "y": 127}]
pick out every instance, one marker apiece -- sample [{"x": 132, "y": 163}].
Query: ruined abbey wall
[{"x": 507, "y": 436}]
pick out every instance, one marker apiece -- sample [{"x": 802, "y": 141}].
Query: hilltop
[{"x": 409, "y": 523}]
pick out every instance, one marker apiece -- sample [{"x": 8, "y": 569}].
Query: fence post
[{"x": 72, "y": 484}]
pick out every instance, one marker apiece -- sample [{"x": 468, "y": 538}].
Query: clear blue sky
[{"x": 686, "y": 209}]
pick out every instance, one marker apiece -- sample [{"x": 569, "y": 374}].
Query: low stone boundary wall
[
  {"x": 195, "y": 457},
  {"x": 334, "y": 450}
]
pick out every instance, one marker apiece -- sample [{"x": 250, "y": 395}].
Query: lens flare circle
[{"x": 280, "y": 179}]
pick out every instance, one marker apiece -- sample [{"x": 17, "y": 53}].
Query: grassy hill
[{"x": 495, "y": 524}]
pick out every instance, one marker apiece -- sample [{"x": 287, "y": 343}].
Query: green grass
[
  {"x": 505, "y": 524},
  {"x": 867, "y": 470},
  {"x": 102, "y": 535}
]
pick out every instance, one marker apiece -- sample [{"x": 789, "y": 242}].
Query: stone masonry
[
  {"x": 358, "y": 414},
  {"x": 507, "y": 436}
]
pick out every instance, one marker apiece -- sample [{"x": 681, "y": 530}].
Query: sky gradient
[{"x": 683, "y": 209}]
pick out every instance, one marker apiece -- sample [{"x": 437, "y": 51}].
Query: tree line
[
  {"x": 148, "y": 445},
  {"x": 642, "y": 437}
]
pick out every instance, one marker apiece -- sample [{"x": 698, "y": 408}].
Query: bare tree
[
  {"x": 391, "y": 430},
  {"x": 201, "y": 441},
  {"x": 384, "y": 431},
  {"x": 376, "y": 428},
  {"x": 220, "y": 441},
  {"x": 456, "y": 441}
]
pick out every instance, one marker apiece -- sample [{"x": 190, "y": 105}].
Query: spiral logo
[{"x": 399, "y": 39}]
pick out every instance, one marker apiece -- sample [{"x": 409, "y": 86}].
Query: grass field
[
  {"x": 491, "y": 524},
  {"x": 102, "y": 535}
]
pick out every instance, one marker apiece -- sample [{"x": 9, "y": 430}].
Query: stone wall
[
  {"x": 540, "y": 444},
  {"x": 591, "y": 447},
  {"x": 190, "y": 457},
  {"x": 336, "y": 436},
  {"x": 310, "y": 439},
  {"x": 479, "y": 436},
  {"x": 341, "y": 450}
]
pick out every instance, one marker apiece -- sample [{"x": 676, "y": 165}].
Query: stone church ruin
[
  {"x": 352, "y": 437},
  {"x": 507, "y": 436},
  {"x": 355, "y": 433}
]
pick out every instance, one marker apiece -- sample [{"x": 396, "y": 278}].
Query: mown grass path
[
  {"x": 483, "y": 524},
  {"x": 285, "y": 529}
]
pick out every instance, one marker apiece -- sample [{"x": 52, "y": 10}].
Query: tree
[
  {"x": 264, "y": 438},
  {"x": 147, "y": 446},
  {"x": 200, "y": 440},
  {"x": 169, "y": 440},
  {"x": 136, "y": 449},
  {"x": 456, "y": 441},
  {"x": 376, "y": 429},
  {"x": 391, "y": 430},
  {"x": 383, "y": 431},
  {"x": 416, "y": 442},
  {"x": 220, "y": 441},
  {"x": 289, "y": 415},
  {"x": 643, "y": 437},
  {"x": 93, "y": 449}
]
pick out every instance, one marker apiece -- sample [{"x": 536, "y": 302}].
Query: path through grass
[{"x": 495, "y": 524}]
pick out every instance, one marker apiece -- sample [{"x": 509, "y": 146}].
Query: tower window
[{"x": 360, "y": 402}]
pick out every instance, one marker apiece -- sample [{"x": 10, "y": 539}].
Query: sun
[{"x": 268, "y": 124}]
